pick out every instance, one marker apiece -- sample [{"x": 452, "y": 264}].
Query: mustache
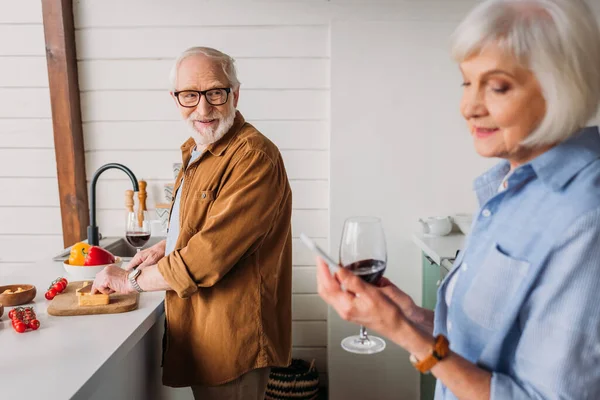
[{"x": 195, "y": 116}]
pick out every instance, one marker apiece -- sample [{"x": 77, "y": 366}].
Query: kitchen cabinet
[
  {"x": 91, "y": 357},
  {"x": 432, "y": 275},
  {"x": 437, "y": 256}
]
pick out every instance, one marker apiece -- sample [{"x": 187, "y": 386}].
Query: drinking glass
[{"x": 363, "y": 252}]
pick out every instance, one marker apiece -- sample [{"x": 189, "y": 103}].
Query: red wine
[
  {"x": 369, "y": 271},
  {"x": 137, "y": 239}
]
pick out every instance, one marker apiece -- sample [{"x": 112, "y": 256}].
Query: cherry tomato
[
  {"x": 11, "y": 313},
  {"x": 19, "y": 327},
  {"x": 50, "y": 294},
  {"x": 58, "y": 286},
  {"x": 65, "y": 281},
  {"x": 34, "y": 324}
]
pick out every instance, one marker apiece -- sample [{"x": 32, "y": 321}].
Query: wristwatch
[
  {"x": 132, "y": 278},
  {"x": 441, "y": 350}
]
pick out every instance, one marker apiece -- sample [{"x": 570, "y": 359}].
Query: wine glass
[
  {"x": 363, "y": 252},
  {"x": 137, "y": 231}
]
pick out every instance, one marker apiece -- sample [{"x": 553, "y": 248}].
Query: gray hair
[
  {"x": 227, "y": 63},
  {"x": 558, "y": 40}
]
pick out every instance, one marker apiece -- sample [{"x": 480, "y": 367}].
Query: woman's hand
[
  {"x": 400, "y": 298},
  {"x": 363, "y": 303}
]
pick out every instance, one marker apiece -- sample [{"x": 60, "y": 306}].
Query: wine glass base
[{"x": 354, "y": 344}]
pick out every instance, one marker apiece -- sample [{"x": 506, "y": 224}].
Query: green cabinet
[{"x": 432, "y": 276}]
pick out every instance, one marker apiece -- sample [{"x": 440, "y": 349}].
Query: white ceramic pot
[
  {"x": 464, "y": 222},
  {"x": 436, "y": 226}
]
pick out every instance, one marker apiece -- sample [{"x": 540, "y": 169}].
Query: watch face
[{"x": 134, "y": 273}]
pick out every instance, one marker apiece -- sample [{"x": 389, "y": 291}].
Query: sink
[
  {"x": 123, "y": 249},
  {"x": 118, "y": 246}
]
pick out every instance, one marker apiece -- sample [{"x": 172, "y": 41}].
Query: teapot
[{"x": 436, "y": 226}]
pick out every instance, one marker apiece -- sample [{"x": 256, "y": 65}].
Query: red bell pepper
[{"x": 98, "y": 256}]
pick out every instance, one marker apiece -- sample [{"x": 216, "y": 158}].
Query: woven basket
[{"x": 299, "y": 381}]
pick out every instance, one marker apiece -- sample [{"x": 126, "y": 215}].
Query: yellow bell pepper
[{"x": 78, "y": 253}]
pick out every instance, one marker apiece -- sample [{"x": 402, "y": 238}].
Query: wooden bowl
[
  {"x": 1, "y": 310},
  {"x": 16, "y": 299}
]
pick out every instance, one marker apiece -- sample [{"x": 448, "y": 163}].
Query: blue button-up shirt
[{"x": 525, "y": 303}]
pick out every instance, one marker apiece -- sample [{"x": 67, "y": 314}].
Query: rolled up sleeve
[
  {"x": 558, "y": 355},
  {"x": 239, "y": 218}
]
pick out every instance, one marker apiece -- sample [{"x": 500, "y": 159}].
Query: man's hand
[
  {"x": 112, "y": 279},
  {"x": 149, "y": 256}
]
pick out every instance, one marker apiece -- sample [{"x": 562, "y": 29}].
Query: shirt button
[
  {"x": 449, "y": 326},
  {"x": 203, "y": 195},
  {"x": 465, "y": 266},
  {"x": 486, "y": 213}
]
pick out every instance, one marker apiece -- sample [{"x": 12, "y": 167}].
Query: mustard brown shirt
[{"x": 231, "y": 271}]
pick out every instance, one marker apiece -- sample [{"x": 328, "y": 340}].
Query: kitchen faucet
[{"x": 93, "y": 235}]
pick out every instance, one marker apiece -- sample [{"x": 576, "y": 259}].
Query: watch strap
[
  {"x": 441, "y": 350},
  {"x": 133, "y": 280}
]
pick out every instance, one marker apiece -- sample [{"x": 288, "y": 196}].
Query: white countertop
[
  {"x": 67, "y": 356},
  {"x": 440, "y": 248}
]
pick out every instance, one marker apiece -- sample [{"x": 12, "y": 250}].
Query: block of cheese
[
  {"x": 94, "y": 300},
  {"x": 86, "y": 298}
]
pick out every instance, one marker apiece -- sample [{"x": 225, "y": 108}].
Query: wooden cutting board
[{"x": 66, "y": 303}]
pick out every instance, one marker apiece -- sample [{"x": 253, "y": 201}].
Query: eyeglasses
[{"x": 214, "y": 97}]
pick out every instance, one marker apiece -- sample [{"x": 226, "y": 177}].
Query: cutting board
[{"x": 66, "y": 303}]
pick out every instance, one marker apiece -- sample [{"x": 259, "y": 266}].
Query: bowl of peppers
[{"x": 86, "y": 261}]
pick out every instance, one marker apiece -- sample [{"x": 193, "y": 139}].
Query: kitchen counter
[
  {"x": 79, "y": 357},
  {"x": 441, "y": 249}
]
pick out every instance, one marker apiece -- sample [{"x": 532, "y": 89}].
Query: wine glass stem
[
  {"x": 363, "y": 334},
  {"x": 137, "y": 249}
]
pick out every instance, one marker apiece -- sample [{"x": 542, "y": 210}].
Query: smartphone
[{"x": 333, "y": 266}]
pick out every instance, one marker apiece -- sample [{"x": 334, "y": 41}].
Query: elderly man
[{"x": 226, "y": 263}]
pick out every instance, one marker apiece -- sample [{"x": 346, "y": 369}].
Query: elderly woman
[{"x": 520, "y": 311}]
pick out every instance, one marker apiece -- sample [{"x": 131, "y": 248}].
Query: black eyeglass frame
[{"x": 200, "y": 94}]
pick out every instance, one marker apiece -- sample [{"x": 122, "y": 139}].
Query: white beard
[{"x": 211, "y": 135}]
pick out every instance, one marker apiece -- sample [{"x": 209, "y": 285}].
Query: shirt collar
[
  {"x": 560, "y": 164},
  {"x": 555, "y": 167},
  {"x": 486, "y": 185}
]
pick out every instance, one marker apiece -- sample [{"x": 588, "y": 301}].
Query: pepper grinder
[
  {"x": 129, "y": 200},
  {"x": 142, "y": 200},
  {"x": 137, "y": 231}
]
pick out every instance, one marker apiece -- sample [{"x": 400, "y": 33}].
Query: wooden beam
[{"x": 61, "y": 58}]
